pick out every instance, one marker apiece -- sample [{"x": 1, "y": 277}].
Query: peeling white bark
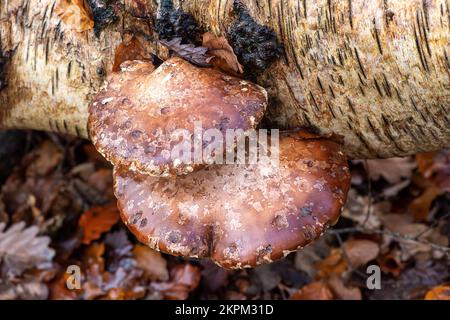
[{"x": 374, "y": 73}]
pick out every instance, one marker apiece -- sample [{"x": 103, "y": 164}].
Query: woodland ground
[{"x": 57, "y": 209}]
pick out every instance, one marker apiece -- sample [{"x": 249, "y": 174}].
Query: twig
[{"x": 432, "y": 225}]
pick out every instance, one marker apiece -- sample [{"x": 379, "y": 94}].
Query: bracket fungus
[
  {"x": 135, "y": 120},
  {"x": 240, "y": 215}
]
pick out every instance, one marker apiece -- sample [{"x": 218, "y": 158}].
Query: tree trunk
[{"x": 372, "y": 73}]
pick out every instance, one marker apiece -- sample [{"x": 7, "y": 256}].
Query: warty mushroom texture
[{"x": 239, "y": 215}]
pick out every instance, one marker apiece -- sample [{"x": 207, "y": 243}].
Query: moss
[
  {"x": 103, "y": 12},
  {"x": 175, "y": 23},
  {"x": 255, "y": 45}
]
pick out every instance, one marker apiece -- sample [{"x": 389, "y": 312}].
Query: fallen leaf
[
  {"x": 424, "y": 161},
  {"x": 334, "y": 264},
  {"x": 43, "y": 159},
  {"x": 313, "y": 291},
  {"x": 436, "y": 168},
  {"x": 413, "y": 282},
  {"x": 393, "y": 170},
  {"x": 98, "y": 220},
  {"x": 184, "y": 278},
  {"x": 151, "y": 261},
  {"x": 403, "y": 225},
  {"x": 343, "y": 292},
  {"x": 130, "y": 49},
  {"x": 193, "y": 54},
  {"x": 420, "y": 206},
  {"x": 360, "y": 251},
  {"x": 75, "y": 15},
  {"x": 119, "y": 250},
  {"x": 438, "y": 293},
  {"x": 224, "y": 56},
  {"x": 357, "y": 208},
  {"x": 28, "y": 289},
  {"x": 22, "y": 249},
  {"x": 307, "y": 258}
]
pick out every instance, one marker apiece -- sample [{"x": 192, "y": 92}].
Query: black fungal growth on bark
[
  {"x": 255, "y": 45},
  {"x": 103, "y": 14},
  {"x": 4, "y": 63},
  {"x": 174, "y": 23}
]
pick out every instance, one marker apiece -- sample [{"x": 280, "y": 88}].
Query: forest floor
[{"x": 57, "y": 213}]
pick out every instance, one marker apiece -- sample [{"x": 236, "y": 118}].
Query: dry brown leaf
[
  {"x": 438, "y": 293},
  {"x": 341, "y": 291},
  {"x": 420, "y": 206},
  {"x": 334, "y": 264},
  {"x": 22, "y": 249},
  {"x": 184, "y": 279},
  {"x": 404, "y": 226},
  {"x": 189, "y": 52},
  {"x": 360, "y": 251},
  {"x": 130, "y": 49},
  {"x": 98, "y": 220},
  {"x": 75, "y": 15},
  {"x": 435, "y": 166},
  {"x": 225, "y": 58},
  {"x": 357, "y": 208},
  {"x": 393, "y": 170},
  {"x": 151, "y": 261},
  {"x": 313, "y": 291},
  {"x": 424, "y": 161},
  {"x": 43, "y": 160}
]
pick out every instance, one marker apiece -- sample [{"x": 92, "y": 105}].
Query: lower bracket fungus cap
[
  {"x": 141, "y": 114},
  {"x": 240, "y": 215}
]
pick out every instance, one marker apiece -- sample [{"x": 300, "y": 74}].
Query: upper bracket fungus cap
[
  {"x": 240, "y": 215},
  {"x": 135, "y": 120}
]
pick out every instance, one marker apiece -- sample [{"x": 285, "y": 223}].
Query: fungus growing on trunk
[
  {"x": 240, "y": 215},
  {"x": 136, "y": 120}
]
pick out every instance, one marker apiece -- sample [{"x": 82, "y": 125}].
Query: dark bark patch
[
  {"x": 103, "y": 12},
  {"x": 4, "y": 64},
  {"x": 174, "y": 23},
  {"x": 255, "y": 45}
]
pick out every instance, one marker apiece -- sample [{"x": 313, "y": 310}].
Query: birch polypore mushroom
[
  {"x": 240, "y": 215},
  {"x": 141, "y": 115}
]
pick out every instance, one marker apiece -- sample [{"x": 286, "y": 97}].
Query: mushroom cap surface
[
  {"x": 240, "y": 215},
  {"x": 135, "y": 119}
]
